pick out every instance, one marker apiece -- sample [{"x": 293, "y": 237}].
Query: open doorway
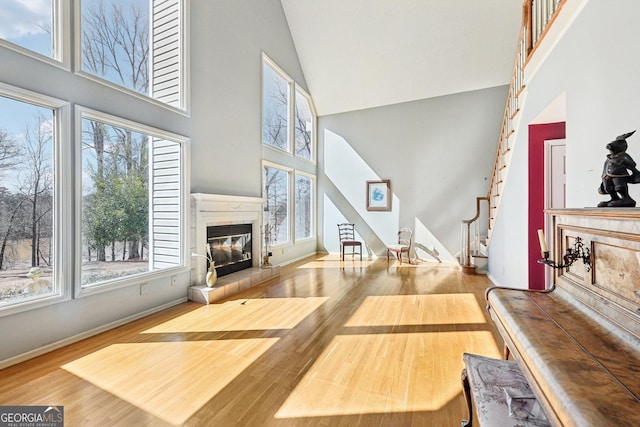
[
  {"x": 539, "y": 179},
  {"x": 555, "y": 188},
  {"x": 556, "y": 173}
]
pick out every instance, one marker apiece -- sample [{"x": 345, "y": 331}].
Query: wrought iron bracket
[{"x": 578, "y": 251}]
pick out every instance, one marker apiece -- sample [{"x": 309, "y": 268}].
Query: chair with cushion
[
  {"x": 346, "y": 232},
  {"x": 403, "y": 245}
]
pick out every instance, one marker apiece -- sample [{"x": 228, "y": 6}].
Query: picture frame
[{"x": 379, "y": 195}]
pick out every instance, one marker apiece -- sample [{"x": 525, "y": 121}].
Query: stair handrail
[
  {"x": 516, "y": 87},
  {"x": 466, "y": 239},
  {"x": 537, "y": 18}
]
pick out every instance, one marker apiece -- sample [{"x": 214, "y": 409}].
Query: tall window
[
  {"x": 288, "y": 125},
  {"x": 304, "y": 189},
  {"x": 305, "y": 124},
  {"x": 32, "y": 25},
  {"x": 275, "y": 108},
  {"x": 130, "y": 179},
  {"x": 131, "y": 199},
  {"x": 135, "y": 44},
  {"x": 276, "y": 191},
  {"x": 29, "y": 175}
]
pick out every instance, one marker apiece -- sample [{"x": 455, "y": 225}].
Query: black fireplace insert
[{"x": 230, "y": 247}]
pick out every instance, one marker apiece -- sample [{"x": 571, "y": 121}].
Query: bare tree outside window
[
  {"x": 304, "y": 206},
  {"x": 303, "y": 126},
  {"x": 8, "y": 151},
  {"x": 275, "y": 110},
  {"x": 30, "y": 25},
  {"x": 35, "y": 183},
  {"x": 26, "y": 201},
  {"x": 9, "y": 204},
  {"x": 276, "y": 191},
  {"x": 115, "y": 202},
  {"x": 282, "y": 103},
  {"x": 115, "y": 42},
  {"x": 120, "y": 44}
]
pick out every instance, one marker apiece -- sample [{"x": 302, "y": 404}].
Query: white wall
[
  {"x": 438, "y": 154},
  {"x": 228, "y": 37},
  {"x": 596, "y": 67},
  {"x": 226, "y": 70}
]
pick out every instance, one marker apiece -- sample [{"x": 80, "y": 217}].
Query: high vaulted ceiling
[{"x": 358, "y": 54}]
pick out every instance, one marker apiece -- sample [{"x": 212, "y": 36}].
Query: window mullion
[{"x": 292, "y": 118}]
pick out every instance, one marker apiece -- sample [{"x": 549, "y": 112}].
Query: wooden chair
[
  {"x": 404, "y": 244},
  {"x": 346, "y": 232}
]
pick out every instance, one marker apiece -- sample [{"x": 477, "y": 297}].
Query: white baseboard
[
  {"x": 79, "y": 337},
  {"x": 300, "y": 258},
  {"x": 493, "y": 280}
]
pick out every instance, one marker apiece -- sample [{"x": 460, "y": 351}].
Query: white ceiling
[{"x": 359, "y": 54}]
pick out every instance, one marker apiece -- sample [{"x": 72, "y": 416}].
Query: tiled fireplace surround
[{"x": 214, "y": 209}]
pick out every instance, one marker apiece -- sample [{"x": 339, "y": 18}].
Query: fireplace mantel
[{"x": 218, "y": 209}]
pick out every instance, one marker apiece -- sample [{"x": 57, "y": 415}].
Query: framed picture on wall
[{"x": 379, "y": 195}]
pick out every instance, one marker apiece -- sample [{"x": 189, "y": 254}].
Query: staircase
[{"x": 537, "y": 18}]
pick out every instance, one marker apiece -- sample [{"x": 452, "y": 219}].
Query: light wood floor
[{"x": 326, "y": 344}]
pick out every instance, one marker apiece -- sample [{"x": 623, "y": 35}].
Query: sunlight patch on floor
[
  {"x": 385, "y": 373},
  {"x": 421, "y": 264},
  {"x": 433, "y": 309},
  {"x": 334, "y": 261},
  {"x": 170, "y": 380},
  {"x": 243, "y": 315}
]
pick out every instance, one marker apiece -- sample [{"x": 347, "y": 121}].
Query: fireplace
[
  {"x": 230, "y": 247},
  {"x": 241, "y": 216}
]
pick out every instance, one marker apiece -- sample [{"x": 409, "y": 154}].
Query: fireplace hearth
[{"x": 209, "y": 211}]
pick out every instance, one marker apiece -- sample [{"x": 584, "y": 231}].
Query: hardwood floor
[{"x": 328, "y": 343}]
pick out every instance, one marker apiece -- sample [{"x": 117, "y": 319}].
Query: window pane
[
  {"x": 29, "y": 25},
  {"x": 135, "y": 44},
  {"x": 118, "y": 207},
  {"x": 26, "y": 201},
  {"x": 275, "y": 109},
  {"x": 304, "y": 127},
  {"x": 304, "y": 207},
  {"x": 276, "y": 191}
]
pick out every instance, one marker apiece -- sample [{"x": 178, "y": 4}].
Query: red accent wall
[{"x": 537, "y": 135}]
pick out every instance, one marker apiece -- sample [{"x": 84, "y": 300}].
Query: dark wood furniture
[
  {"x": 578, "y": 343},
  {"x": 347, "y": 235}
]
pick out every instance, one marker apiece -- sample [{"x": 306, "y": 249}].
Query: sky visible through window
[
  {"x": 15, "y": 118},
  {"x": 28, "y": 24},
  {"x": 115, "y": 45}
]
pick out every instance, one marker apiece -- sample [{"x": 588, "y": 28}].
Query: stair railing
[
  {"x": 537, "y": 17},
  {"x": 471, "y": 242}
]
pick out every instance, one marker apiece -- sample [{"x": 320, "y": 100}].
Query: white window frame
[
  {"x": 314, "y": 210},
  {"x": 185, "y": 101},
  {"x": 137, "y": 279},
  {"x": 314, "y": 125},
  {"x": 267, "y": 62},
  {"x": 290, "y": 201},
  {"x": 291, "y": 112},
  {"x": 61, "y": 38},
  {"x": 288, "y": 160},
  {"x": 63, "y": 198}
]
